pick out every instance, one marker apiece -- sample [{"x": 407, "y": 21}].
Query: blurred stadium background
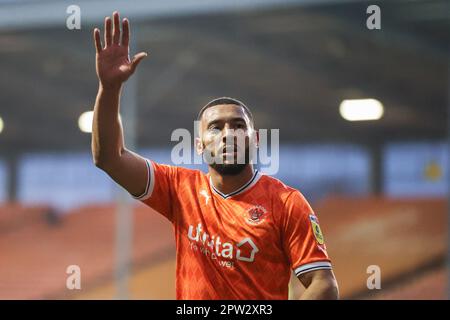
[{"x": 380, "y": 187}]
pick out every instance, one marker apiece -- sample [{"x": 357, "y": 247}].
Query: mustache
[{"x": 229, "y": 147}]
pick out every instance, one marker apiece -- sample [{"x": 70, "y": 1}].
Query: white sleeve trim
[
  {"x": 150, "y": 182},
  {"x": 312, "y": 266}
]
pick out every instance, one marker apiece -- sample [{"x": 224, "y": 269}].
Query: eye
[{"x": 213, "y": 128}]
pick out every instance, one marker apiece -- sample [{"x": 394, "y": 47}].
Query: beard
[{"x": 229, "y": 169}]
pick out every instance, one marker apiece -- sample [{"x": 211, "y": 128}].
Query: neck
[{"x": 227, "y": 184}]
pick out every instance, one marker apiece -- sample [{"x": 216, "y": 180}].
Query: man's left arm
[
  {"x": 320, "y": 285},
  {"x": 305, "y": 248}
]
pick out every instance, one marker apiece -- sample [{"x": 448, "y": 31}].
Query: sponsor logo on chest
[{"x": 215, "y": 248}]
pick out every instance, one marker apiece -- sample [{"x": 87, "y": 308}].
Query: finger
[
  {"x": 98, "y": 42},
  {"x": 137, "y": 59},
  {"x": 125, "y": 32},
  {"x": 116, "y": 32},
  {"x": 108, "y": 36}
]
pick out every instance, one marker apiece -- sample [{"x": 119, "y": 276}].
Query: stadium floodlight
[
  {"x": 1, "y": 125},
  {"x": 85, "y": 121},
  {"x": 361, "y": 109}
]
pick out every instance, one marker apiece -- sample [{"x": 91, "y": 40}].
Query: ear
[
  {"x": 198, "y": 146},
  {"x": 256, "y": 138}
]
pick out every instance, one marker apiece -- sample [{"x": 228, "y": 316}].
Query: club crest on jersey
[
  {"x": 316, "y": 229},
  {"x": 255, "y": 215}
]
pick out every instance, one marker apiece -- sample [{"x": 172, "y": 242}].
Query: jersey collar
[{"x": 256, "y": 176}]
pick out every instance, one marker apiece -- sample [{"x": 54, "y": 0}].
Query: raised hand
[{"x": 113, "y": 64}]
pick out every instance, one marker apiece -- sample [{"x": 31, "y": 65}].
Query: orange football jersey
[{"x": 241, "y": 245}]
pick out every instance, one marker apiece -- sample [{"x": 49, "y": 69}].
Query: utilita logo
[{"x": 213, "y": 247}]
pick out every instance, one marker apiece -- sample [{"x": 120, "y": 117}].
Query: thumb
[{"x": 137, "y": 59}]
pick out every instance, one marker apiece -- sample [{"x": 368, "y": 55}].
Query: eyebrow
[{"x": 235, "y": 119}]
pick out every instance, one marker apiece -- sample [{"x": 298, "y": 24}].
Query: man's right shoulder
[
  {"x": 177, "y": 171},
  {"x": 163, "y": 177}
]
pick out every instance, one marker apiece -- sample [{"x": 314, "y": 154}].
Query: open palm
[{"x": 113, "y": 62}]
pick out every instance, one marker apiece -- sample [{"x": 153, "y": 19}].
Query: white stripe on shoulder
[
  {"x": 150, "y": 182},
  {"x": 312, "y": 266}
]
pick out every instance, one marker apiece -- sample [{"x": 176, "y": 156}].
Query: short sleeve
[
  {"x": 303, "y": 241},
  {"x": 159, "y": 192}
]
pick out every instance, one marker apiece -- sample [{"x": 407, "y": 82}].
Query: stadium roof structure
[{"x": 292, "y": 64}]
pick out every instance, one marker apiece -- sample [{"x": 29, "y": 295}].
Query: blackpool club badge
[{"x": 255, "y": 215}]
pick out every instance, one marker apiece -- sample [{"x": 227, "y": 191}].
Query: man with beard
[{"x": 239, "y": 234}]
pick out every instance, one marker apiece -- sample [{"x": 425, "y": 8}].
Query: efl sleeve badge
[{"x": 316, "y": 229}]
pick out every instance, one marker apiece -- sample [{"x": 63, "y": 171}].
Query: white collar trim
[{"x": 256, "y": 176}]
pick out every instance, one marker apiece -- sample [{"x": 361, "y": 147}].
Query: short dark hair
[{"x": 226, "y": 100}]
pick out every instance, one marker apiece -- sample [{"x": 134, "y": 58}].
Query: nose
[{"x": 230, "y": 133}]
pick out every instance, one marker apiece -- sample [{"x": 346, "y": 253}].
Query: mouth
[{"x": 230, "y": 149}]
